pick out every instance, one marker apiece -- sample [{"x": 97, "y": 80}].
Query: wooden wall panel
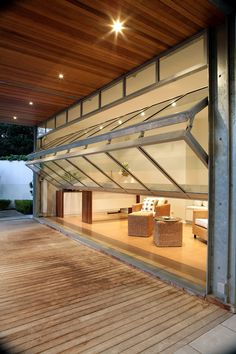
[
  {"x": 87, "y": 207},
  {"x": 60, "y": 203}
]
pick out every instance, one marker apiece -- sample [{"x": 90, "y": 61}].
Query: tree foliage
[{"x": 16, "y": 140}]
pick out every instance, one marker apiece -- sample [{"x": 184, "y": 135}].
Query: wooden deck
[{"x": 59, "y": 296}]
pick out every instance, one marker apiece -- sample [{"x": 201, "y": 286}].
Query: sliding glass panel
[
  {"x": 183, "y": 104},
  {"x": 74, "y": 112},
  {"x": 200, "y": 128},
  {"x": 74, "y": 175},
  {"x": 61, "y": 119},
  {"x": 141, "y": 78},
  {"x": 141, "y": 167},
  {"x": 40, "y": 130},
  {"x": 167, "y": 129},
  {"x": 115, "y": 171},
  {"x": 143, "y": 115},
  {"x": 91, "y": 104},
  {"x": 92, "y": 171},
  {"x": 183, "y": 58},
  {"x": 182, "y": 164},
  {"x": 112, "y": 93},
  {"x": 54, "y": 175},
  {"x": 113, "y": 124},
  {"x": 43, "y": 175}
]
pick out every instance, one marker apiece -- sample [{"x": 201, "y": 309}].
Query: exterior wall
[{"x": 14, "y": 180}]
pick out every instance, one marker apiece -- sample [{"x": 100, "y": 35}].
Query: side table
[{"x": 168, "y": 233}]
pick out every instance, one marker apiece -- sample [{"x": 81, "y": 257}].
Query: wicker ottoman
[
  {"x": 168, "y": 234},
  {"x": 140, "y": 224}
]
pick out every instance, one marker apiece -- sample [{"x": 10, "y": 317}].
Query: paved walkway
[
  {"x": 59, "y": 296},
  {"x": 12, "y": 214}
]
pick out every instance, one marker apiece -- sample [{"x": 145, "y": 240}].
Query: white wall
[
  {"x": 102, "y": 202},
  {"x": 14, "y": 180}
]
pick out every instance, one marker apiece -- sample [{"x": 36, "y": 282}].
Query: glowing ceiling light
[
  {"x": 31, "y": 103},
  {"x": 60, "y": 76},
  {"x": 143, "y": 114},
  {"x": 15, "y": 117},
  {"x": 173, "y": 104},
  {"x": 117, "y": 26},
  {"x": 120, "y": 121},
  {"x": 101, "y": 127}
]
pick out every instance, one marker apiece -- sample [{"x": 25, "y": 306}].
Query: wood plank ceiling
[{"x": 40, "y": 39}]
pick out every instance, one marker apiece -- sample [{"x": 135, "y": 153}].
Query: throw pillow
[{"x": 149, "y": 204}]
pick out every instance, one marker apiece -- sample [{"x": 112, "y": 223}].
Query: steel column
[
  {"x": 36, "y": 184},
  {"x": 222, "y": 168},
  {"x": 232, "y": 162}
]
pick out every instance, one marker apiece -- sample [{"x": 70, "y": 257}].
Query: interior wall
[{"x": 102, "y": 202}]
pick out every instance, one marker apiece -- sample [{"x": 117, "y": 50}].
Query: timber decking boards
[
  {"x": 188, "y": 261},
  {"x": 59, "y": 296}
]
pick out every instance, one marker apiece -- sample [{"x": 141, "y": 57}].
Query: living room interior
[{"x": 167, "y": 170}]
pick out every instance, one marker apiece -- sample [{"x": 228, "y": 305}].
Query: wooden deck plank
[{"x": 57, "y": 295}]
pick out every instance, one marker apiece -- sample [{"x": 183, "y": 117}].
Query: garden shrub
[
  {"x": 24, "y": 206},
  {"x": 4, "y": 204}
]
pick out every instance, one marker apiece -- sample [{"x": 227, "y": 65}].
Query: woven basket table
[
  {"x": 140, "y": 223},
  {"x": 168, "y": 234}
]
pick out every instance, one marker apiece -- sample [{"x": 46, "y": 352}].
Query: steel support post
[
  {"x": 36, "y": 184},
  {"x": 232, "y": 162},
  {"x": 222, "y": 164}
]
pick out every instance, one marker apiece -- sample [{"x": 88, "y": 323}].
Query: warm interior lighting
[
  {"x": 101, "y": 127},
  {"x": 143, "y": 114},
  {"x": 173, "y": 104},
  {"x": 15, "y": 117},
  {"x": 31, "y": 103},
  {"x": 61, "y": 76},
  {"x": 117, "y": 26},
  {"x": 120, "y": 121}
]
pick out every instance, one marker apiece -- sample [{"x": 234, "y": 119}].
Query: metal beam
[
  {"x": 197, "y": 148},
  {"x": 135, "y": 129},
  {"x": 149, "y": 140}
]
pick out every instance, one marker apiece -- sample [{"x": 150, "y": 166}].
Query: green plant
[
  {"x": 14, "y": 158},
  {"x": 31, "y": 188},
  {"x": 123, "y": 170},
  {"x": 24, "y": 206},
  {"x": 69, "y": 177},
  {"x": 4, "y": 204}
]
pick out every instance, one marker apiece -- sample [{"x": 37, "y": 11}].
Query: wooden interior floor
[
  {"x": 187, "y": 262},
  {"x": 59, "y": 296}
]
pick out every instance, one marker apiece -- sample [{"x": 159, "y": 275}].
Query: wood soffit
[{"x": 40, "y": 39}]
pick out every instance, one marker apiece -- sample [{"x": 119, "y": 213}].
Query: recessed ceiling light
[
  {"x": 117, "y": 26},
  {"x": 61, "y": 76},
  {"x": 15, "y": 117},
  {"x": 101, "y": 127},
  {"x": 31, "y": 103},
  {"x": 143, "y": 114},
  {"x": 173, "y": 104},
  {"x": 120, "y": 121}
]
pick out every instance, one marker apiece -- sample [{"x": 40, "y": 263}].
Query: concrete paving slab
[{"x": 217, "y": 341}]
